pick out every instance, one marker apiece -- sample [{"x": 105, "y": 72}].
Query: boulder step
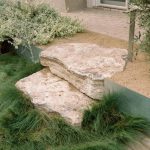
[
  {"x": 141, "y": 144},
  {"x": 53, "y": 94},
  {"x": 84, "y": 65}
]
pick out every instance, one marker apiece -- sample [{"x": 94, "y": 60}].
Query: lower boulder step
[
  {"x": 84, "y": 65},
  {"x": 53, "y": 94},
  {"x": 140, "y": 144}
]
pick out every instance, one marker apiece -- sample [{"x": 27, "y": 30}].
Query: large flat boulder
[
  {"x": 53, "y": 94},
  {"x": 84, "y": 65}
]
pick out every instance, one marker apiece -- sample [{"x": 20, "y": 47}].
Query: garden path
[{"x": 111, "y": 22}]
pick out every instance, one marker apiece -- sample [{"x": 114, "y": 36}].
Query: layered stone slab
[
  {"x": 84, "y": 65},
  {"x": 53, "y": 94}
]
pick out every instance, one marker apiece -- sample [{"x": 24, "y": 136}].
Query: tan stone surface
[
  {"x": 140, "y": 144},
  {"x": 84, "y": 65},
  {"x": 53, "y": 94}
]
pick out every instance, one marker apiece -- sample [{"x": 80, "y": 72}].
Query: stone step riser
[
  {"x": 84, "y": 65},
  {"x": 92, "y": 88}
]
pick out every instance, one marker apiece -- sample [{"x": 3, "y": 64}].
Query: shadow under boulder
[{"x": 6, "y": 46}]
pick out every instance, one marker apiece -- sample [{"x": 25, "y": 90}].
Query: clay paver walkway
[{"x": 114, "y": 23}]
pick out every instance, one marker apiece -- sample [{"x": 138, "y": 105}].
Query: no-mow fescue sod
[{"x": 23, "y": 127}]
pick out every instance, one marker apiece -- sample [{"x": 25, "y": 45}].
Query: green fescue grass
[{"x": 23, "y": 127}]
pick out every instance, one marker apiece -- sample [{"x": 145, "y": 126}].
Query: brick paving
[{"x": 113, "y": 23}]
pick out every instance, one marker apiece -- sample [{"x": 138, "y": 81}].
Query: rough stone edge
[
  {"x": 50, "y": 112},
  {"x": 76, "y": 77}
]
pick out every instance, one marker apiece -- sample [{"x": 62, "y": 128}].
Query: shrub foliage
[
  {"x": 30, "y": 24},
  {"x": 144, "y": 21},
  {"x": 22, "y": 126}
]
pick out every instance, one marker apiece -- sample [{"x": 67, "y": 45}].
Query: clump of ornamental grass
[
  {"x": 28, "y": 24},
  {"x": 105, "y": 119},
  {"x": 97, "y": 144}
]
